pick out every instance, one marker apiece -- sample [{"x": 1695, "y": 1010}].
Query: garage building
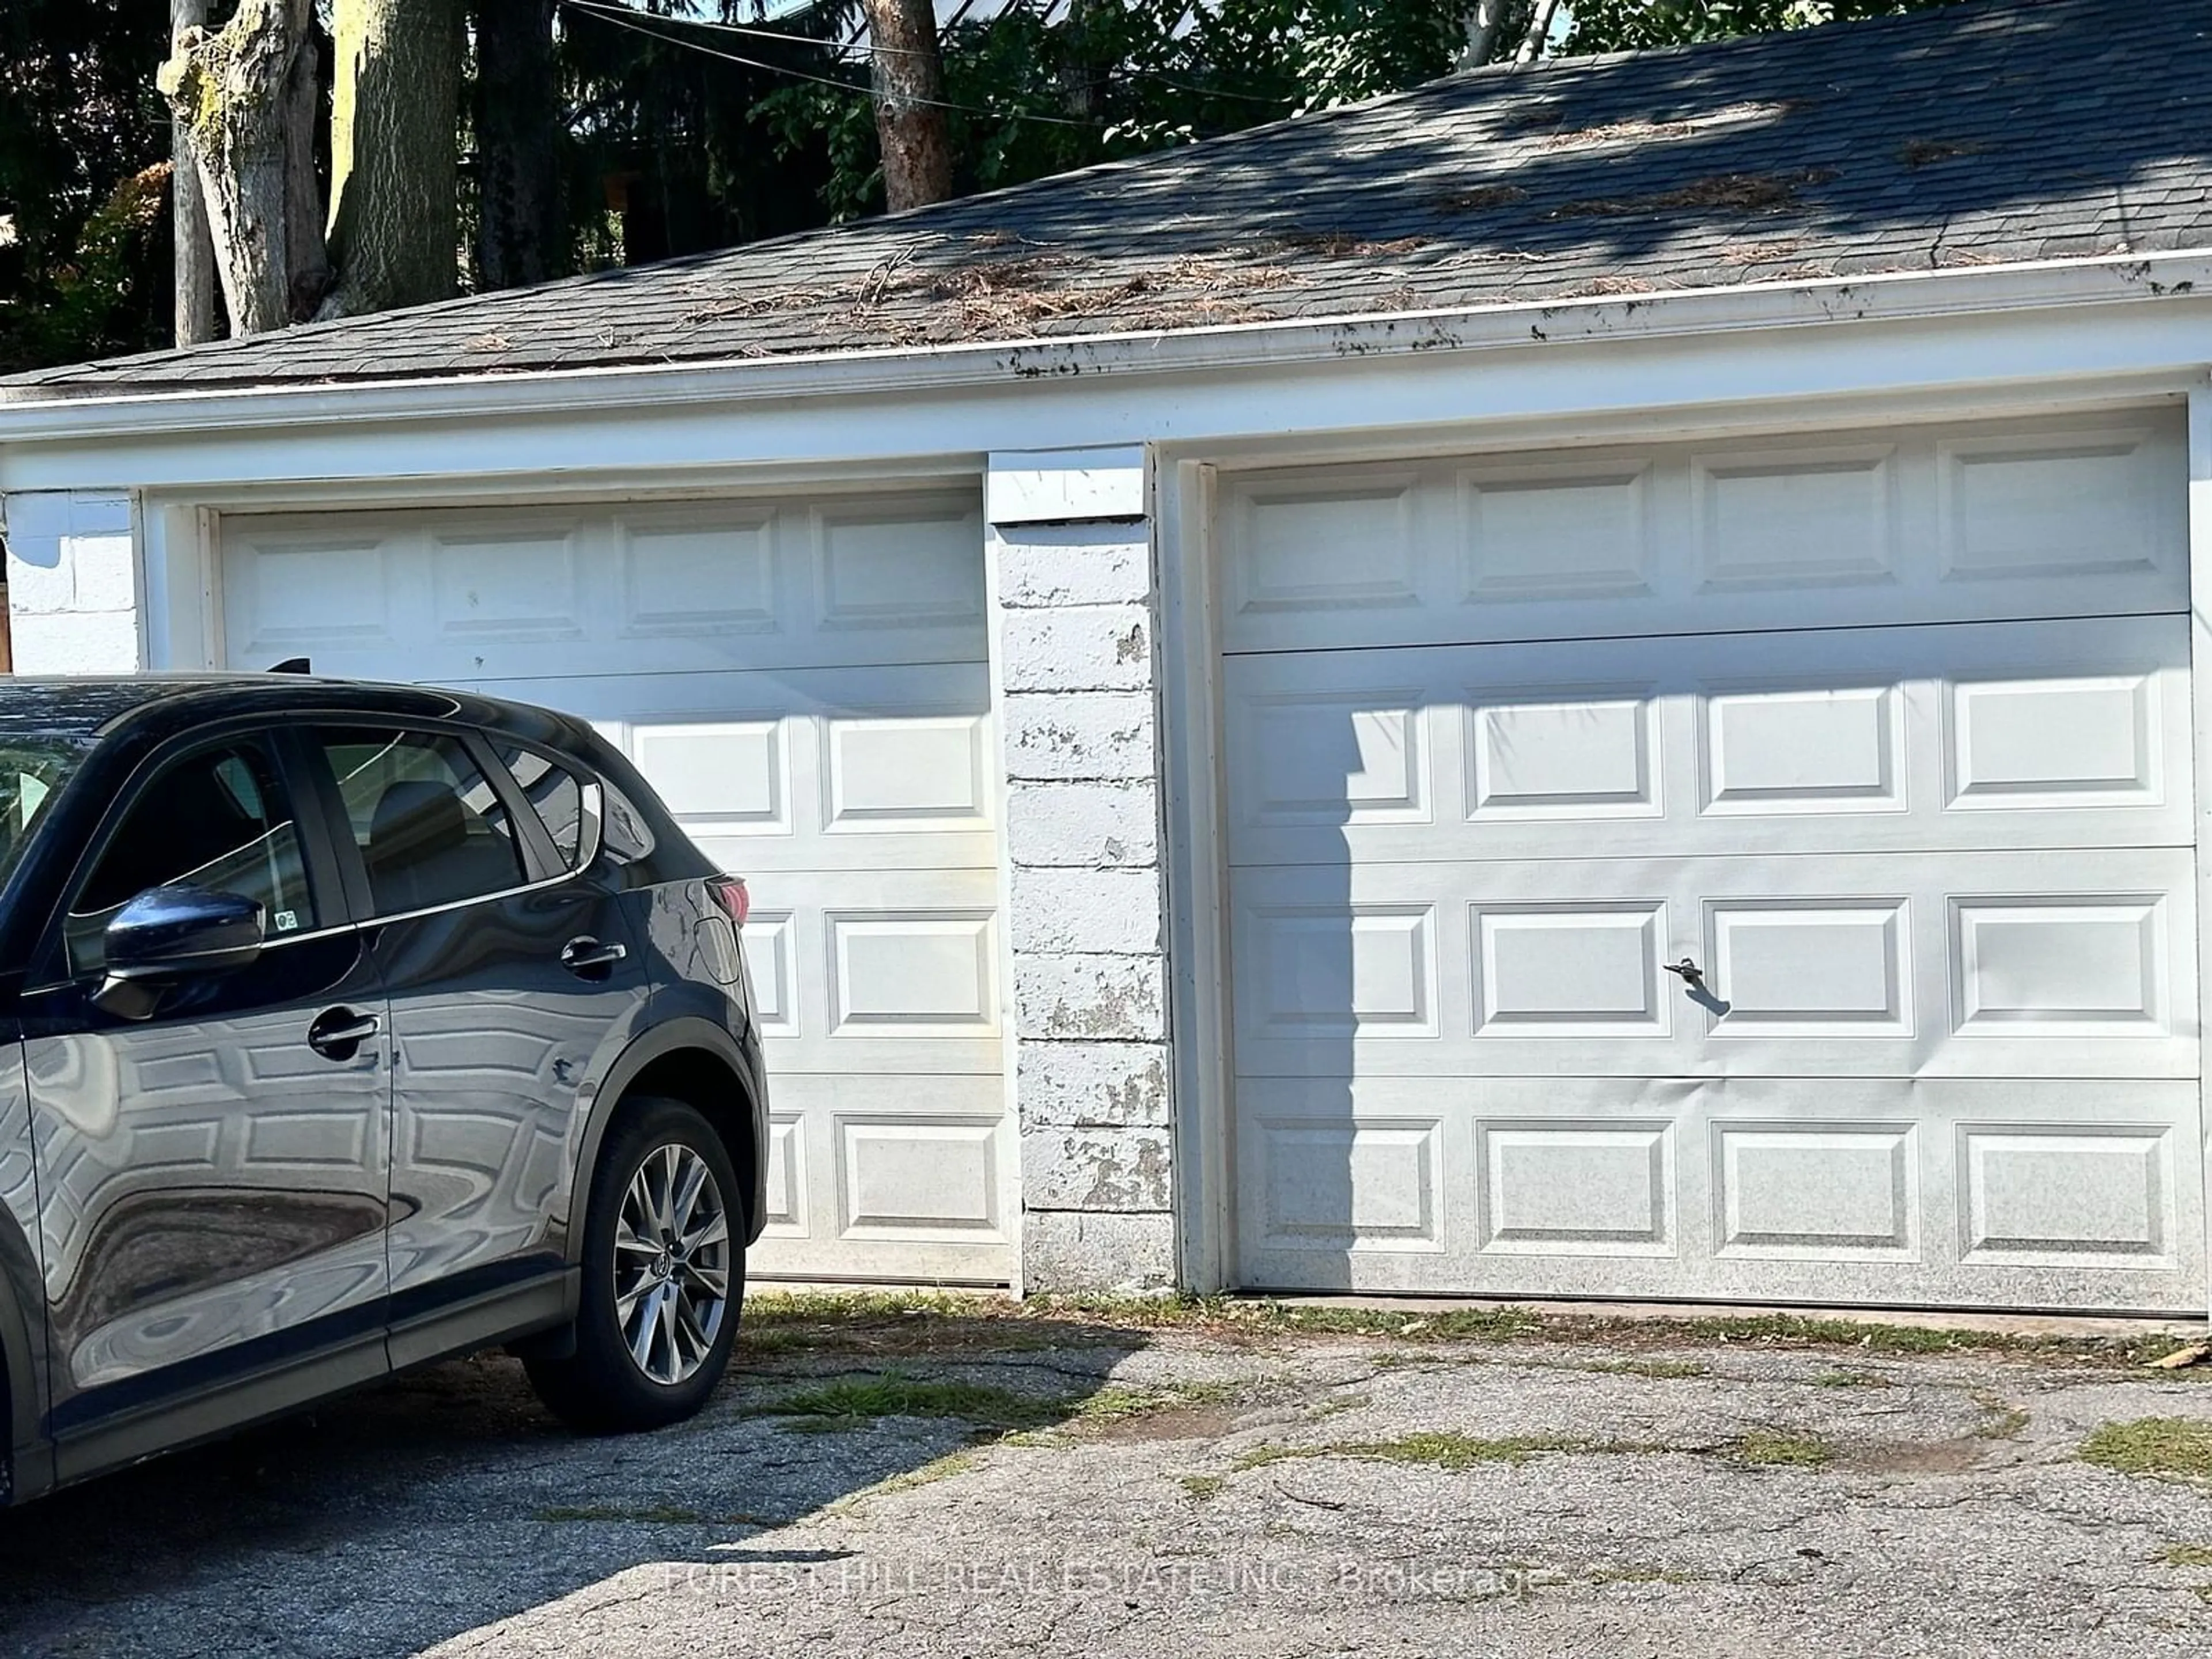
[{"x": 1582, "y": 682}]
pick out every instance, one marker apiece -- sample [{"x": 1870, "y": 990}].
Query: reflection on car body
[{"x": 355, "y": 1021}]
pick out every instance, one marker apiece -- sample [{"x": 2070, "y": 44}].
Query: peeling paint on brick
[
  {"x": 1084, "y": 825},
  {"x": 1091, "y": 647},
  {"x": 1119, "y": 1170},
  {"x": 1075, "y": 618},
  {"x": 1089, "y": 997},
  {"x": 1110, "y": 1083},
  {"x": 1079, "y": 1250},
  {"x": 1080, "y": 736}
]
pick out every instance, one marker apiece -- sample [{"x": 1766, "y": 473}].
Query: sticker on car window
[{"x": 287, "y": 920}]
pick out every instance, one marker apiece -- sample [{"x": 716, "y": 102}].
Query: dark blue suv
[{"x": 349, "y": 1027}]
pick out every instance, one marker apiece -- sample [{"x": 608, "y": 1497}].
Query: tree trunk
[
  {"x": 195, "y": 252},
  {"x": 909, "y": 84},
  {"x": 395, "y": 224},
  {"x": 245, "y": 93},
  {"x": 1483, "y": 25},
  {"x": 521, "y": 225},
  {"x": 1080, "y": 70},
  {"x": 1540, "y": 31}
]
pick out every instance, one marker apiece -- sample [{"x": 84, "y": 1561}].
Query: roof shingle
[{"x": 1988, "y": 131}]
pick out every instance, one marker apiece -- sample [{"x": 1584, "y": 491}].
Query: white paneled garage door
[
  {"x": 805, "y": 682},
  {"x": 1887, "y": 734}
]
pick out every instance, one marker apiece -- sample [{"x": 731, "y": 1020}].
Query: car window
[
  {"x": 31, "y": 771},
  {"x": 558, "y": 796},
  {"x": 217, "y": 819},
  {"x": 627, "y": 836},
  {"x": 430, "y": 826}
]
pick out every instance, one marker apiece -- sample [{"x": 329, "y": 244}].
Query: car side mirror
[{"x": 169, "y": 933}]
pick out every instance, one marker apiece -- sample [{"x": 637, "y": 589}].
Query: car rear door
[
  {"x": 213, "y": 1177},
  {"x": 510, "y": 978}
]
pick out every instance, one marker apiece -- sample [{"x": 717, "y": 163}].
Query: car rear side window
[
  {"x": 557, "y": 796},
  {"x": 431, "y": 829},
  {"x": 217, "y": 819}
]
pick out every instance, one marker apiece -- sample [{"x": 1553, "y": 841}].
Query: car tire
[{"x": 651, "y": 1339}]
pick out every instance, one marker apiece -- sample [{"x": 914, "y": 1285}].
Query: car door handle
[
  {"x": 591, "y": 959},
  {"x": 338, "y": 1033}
]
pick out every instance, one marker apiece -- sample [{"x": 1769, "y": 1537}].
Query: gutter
[{"x": 33, "y": 414}]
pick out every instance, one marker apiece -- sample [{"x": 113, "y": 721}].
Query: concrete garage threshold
[{"x": 2119, "y": 1327}]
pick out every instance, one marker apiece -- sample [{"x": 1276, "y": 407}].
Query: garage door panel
[
  {"x": 1938, "y": 964},
  {"x": 804, "y": 683},
  {"x": 2075, "y": 516},
  {"x": 1997, "y": 735},
  {"x": 830, "y": 769},
  {"x": 1936, "y": 1192},
  {"x": 1759, "y": 870},
  {"x": 892, "y": 1178},
  {"x": 877, "y": 972},
  {"x": 524, "y": 594}
]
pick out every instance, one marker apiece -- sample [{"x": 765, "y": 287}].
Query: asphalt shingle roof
[{"x": 1993, "y": 131}]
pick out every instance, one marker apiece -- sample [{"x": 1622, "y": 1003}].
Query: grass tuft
[
  {"x": 1460, "y": 1451},
  {"x": 1851, "y": 1380},
  {"x": 1336, "y": 1404},
  {"x": 2188, "y": 1555},
  {"x": 1203, "y": 1488},
  {"x": 938, "y": 1322},
  {"x": 2001, "y": 1419},
  {"x": 2153, "y": 1445},
  {"x": 854, "y": 1401},
  {"x": 1443, "y": 1450},
  {"x": 1633, "y": 1574},
  {"x": 1652, "y": 1368},
  {"x": 1771, "y": 1449},
  {"x": 1258, "y": 1457}
]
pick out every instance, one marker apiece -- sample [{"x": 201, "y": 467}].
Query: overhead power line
[
  {"x": 852, "y": 48},
  {"x": 623, "y": 17}
]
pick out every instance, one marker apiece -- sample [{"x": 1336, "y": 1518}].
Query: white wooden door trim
[
  {"x": 1195, "y": 777},
  {"x": 2200, "y": 639}
]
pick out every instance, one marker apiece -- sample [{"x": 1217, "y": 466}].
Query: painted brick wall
[
  {"x": 1073, "y": 627},
  {"x": 73, "y": 586}
]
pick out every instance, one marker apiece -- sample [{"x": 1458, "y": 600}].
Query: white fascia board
[
  {"x": 1971, "y": 327},
  {"x": 27, "y": 415}
]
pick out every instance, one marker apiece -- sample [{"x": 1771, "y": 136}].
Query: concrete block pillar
[
  {"x": 1074, "y": 625},
  {"x": 74, "y": 587}
]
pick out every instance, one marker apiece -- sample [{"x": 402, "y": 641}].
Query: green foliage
[
  {"x": 83, "y": 242},
  {"x": 1776, "y": 1449},
  {"x": 852, "y": 1402},
  {"x": 1118, "y": 78},
  {"x": 2163, "y": 1446},
  {"x": 1627, "y": 24},
  {"x": 671, "y": 146},
  {"x": 666, "y": 152}
]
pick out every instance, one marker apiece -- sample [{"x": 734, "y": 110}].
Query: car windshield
[{"x": 32, "y": 768}]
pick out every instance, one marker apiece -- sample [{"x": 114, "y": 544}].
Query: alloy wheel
[{"x": 672, "y": 1263}]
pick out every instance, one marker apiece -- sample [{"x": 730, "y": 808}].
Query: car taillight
[{"x": 730, "y": 893}]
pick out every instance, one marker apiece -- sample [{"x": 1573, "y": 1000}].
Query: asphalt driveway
[{"x": 894, "y": 1482}]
